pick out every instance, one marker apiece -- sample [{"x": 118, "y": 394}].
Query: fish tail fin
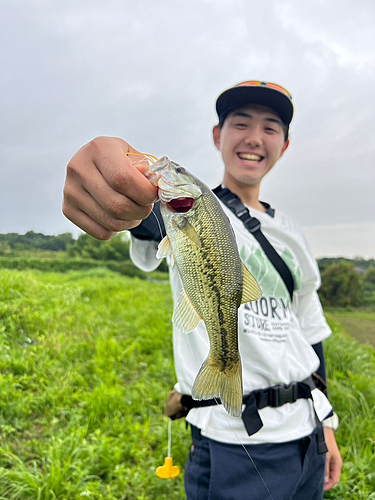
[{"x": 212, "y": 382}]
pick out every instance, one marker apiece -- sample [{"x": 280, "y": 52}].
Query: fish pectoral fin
[
  {"x": 251, "y": 290},
  {"x": 185, "y": 317},
  {"x": 190, "y": 232},
  {"x": 164, "y": 248}
]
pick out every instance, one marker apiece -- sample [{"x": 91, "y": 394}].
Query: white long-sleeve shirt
[{"x": 275, "y": 336}]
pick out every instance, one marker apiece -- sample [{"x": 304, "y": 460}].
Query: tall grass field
[{"x": 86, "y": 364}]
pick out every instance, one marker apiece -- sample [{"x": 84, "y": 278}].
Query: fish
[{"x": 200, "y": 241}]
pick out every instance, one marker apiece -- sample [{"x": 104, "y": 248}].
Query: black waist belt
[{"x": 275, "y": 396}]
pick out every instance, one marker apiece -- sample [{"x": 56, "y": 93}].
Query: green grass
[
  {"x": 86, "y": 364},
  {"x": 351, "y": 377},
  {"x": 360, "y": 326},
  {"x": 60, "y": 262}
]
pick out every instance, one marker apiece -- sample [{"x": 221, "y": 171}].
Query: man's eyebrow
[
  {"x": 274, "y": 120},
  {"x": 242, "y": 114}
]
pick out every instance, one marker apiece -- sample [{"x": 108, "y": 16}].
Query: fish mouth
[{"x": 181, "y": 205}]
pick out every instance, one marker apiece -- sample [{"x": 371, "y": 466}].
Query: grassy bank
[
  {"x": 86, "y": 366},
  {"x": 48, "y": 262},
  {"x": 351, "y": 377},
  {"x": 359, "y": 324}
]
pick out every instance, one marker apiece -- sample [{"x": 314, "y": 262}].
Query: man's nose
[{"x": 254, "y": 136}]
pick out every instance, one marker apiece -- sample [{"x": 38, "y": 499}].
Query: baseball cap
[{"x": 256, "y": 92}]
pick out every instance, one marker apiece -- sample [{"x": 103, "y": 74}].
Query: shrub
[{"x": 341, "y": 286}]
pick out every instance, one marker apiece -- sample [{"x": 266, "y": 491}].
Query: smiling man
[
  {"x": 251, "y": 140},
  {"x": 277, "y": 449}
]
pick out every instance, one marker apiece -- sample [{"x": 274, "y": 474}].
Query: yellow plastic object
[{"x": 168, "y": 470}]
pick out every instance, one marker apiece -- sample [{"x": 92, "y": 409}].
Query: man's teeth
[{"x": 250, "y": 157}]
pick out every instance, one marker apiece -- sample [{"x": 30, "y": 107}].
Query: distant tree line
[
  {"x": 34, "y": 241},
  {"x": 345, "y": 282},
  {"x": 83, "y": 248},
  {"x": 359, "y": 264}
]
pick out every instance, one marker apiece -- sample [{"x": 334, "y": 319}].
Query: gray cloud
[{"x": 150, "y": 72}]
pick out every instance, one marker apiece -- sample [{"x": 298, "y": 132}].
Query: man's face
[{"x": 251, "y": 141}]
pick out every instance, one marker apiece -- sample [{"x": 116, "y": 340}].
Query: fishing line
[
  {"x": 168, "y": 470},
  {"x": 221, "y": 408},
  {"x": 237, "y": 437},
  {"x": 246, "y": 451},
  {"x": 159, "y": 225},
  {"x": 150, "y": 158},
  {"x": 169, "y": 437}
]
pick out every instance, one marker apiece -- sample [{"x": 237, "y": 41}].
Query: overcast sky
[{"x": 150, "y": 72}]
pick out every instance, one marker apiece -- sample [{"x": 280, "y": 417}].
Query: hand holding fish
[{"x": 104, "y": 193}]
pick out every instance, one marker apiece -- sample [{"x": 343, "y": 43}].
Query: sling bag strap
[
  {"x": 252, "y": 224},
  {"x": 275, "y": 396}
]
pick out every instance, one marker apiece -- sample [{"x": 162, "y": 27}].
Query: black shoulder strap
[{"x": 252, "y": 224}]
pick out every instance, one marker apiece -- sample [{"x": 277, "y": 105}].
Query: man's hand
[
  {"x": 333, "y": 460},
  {"x": 104, "y": 192}
]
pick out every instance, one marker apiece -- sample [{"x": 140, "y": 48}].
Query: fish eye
[{"x": 179, "y": 170}]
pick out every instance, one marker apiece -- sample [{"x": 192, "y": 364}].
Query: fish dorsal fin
[
  {"x": 185, "y": 317},
  {"x": 190, "y": 232},
  {"x": 251, "y": 290}
]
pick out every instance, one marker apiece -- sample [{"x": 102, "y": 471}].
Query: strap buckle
[
  {"x": 234, "y": 203},
  {"x": 282, "y": 394},
  {"x": 252, "y": 224}
]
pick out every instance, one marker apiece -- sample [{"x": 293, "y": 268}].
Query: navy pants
[{"x": 285, "y": 471}]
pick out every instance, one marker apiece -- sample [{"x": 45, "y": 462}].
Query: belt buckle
[{"x": 282, "y": 394}]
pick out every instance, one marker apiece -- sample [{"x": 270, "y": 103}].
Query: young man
[{"x": 272, "y": 452}]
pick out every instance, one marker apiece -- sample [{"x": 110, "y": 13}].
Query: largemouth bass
[{"x": 201, "y": 242}]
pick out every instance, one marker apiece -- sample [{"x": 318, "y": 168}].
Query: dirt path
[{"x": 361, "y": 329}]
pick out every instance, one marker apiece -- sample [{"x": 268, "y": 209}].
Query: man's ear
[
  {"x": 285, "y": 147},
  {"x": 216, "y": 132}
]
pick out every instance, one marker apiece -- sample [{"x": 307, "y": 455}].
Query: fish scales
[
  {"x": 201, "y": 242},
  {"x": 208, "y": 276}
]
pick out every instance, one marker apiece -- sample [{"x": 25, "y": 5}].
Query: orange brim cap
[{"x": 262, "y": 93}]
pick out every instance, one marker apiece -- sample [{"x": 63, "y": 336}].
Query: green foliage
[
  {"x": 341, "y": 286},
  {"x": 358, "y": 263},
  {"x": 62, "y": 253},
  {"x": 5, "y": 248},
  {"x": 63, "y": 265},
  {"x": 34, "y": 241},
  {"x": 358, "y": 324},
  {"x": 86, "y": 366},
  {"x": 369, "y": 276},
  {"x": 351, "y": 375},
  {"x": 369, "y": 285},
  {"x": 89, "y": 248}
]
